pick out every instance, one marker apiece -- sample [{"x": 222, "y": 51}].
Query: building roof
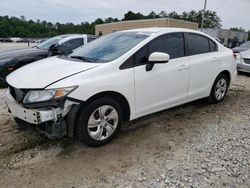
[{"x": 147, "y": 20}]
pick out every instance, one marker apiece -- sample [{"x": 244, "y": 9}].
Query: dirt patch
[
  {"x": 194, "y": 145},
  {"x": 12, "y": 140}
]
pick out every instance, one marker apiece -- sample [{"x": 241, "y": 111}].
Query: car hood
[
  {"x": 47, "y": 71},
  {"x": 245, "y": 54},
  {"x": 20, "y": 52}
]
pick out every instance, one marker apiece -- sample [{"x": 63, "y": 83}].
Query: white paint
[{"x": 168, "y": 84}]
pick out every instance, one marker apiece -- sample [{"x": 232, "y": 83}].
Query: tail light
[{"x": 235, "y": 55}]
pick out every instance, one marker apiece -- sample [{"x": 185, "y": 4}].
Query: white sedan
[{"x": 119, "y": 77}]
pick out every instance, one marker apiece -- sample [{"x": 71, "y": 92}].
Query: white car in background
[
  {"x": 119, "y": 77},
  {"x": 243, "y": 61},
  {"x": 11, "y": 60}
]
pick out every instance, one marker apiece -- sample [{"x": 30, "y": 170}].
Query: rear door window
[
  {"x": 197, "y": 44},
  {"x": 213, "y": 46}
]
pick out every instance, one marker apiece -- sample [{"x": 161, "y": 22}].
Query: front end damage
[{"x": 55, "y": 119}]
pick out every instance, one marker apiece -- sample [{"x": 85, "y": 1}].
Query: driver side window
[
  {"x": 172, "y": 44},
  {"x": 69, "y": 46},
  {"x": 141, "y": 56}
]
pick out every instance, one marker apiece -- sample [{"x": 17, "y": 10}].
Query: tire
[
  {"x": 95, "y": 126},
  {"x": 219, "y": 89}
]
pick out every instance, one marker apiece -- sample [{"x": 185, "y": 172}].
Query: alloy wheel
[
  {"x": 103, "y": 122},
  {"x": 221, "y": 89}
]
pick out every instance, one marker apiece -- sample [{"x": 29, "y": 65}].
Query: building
[
  {"x": 227, "y": 37},
  {"x": 104, "y": 29}
]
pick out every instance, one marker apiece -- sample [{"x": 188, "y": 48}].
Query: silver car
[
  {"x": 243, "y": 61},
  {"x": 243, "y": 47}
]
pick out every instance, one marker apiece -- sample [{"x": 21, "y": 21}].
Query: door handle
[{"x": 183, "y": 67}]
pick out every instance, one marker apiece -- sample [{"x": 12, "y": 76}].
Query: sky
[{"x": 234, "y": 13}]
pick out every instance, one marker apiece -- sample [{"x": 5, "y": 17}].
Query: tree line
[{"x": 21, "y": 27}]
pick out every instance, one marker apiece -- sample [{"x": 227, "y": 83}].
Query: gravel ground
[{"x": 194, "y": 145}]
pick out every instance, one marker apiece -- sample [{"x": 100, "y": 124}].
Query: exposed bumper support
[{"x": 32, "y": 116}]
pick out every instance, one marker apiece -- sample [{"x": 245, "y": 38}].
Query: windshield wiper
[{"x": 81, "y": 58}]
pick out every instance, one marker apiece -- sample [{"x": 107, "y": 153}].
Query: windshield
[
  {"x": 246, "y": 45},
  {"x": 110, "y": 47},
  {"x": 46, "y": 44}
]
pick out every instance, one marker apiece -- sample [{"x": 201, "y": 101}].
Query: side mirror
[
  {"x": 54, "y": 49},
  {"x": 156, "y": 57}
]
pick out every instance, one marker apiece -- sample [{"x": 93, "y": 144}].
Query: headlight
[{"x": 46, "y": 94}]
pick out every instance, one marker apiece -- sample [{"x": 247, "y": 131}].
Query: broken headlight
[{"x": 47, "y": 94}]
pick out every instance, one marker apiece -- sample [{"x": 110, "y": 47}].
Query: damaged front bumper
[{"x": 51, "y": 120}]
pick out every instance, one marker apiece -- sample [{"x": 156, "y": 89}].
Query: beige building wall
[
  {"x": 104, "y": 29},
  {"x": 182, "y": 24}
]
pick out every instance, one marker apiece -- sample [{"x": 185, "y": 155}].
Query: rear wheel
[
  {"x": 219, "y": 89},
  {"x": 99, "y": 122}
]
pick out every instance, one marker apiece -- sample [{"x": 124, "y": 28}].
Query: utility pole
[{"x": 203, "y": 15}]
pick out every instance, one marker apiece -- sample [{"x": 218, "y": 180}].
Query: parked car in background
[
  {"x": 243, "y": 61},
  {"x": 119, "y": 77},
  {"x": 64, "y": 44},
  {"x": 5, "y": 40},
  {"x": 242, "y": 47}
]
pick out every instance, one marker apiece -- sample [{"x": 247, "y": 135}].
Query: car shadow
[
  {"x": 244, "y": 74},
  {"x": 165, "y": 119}
]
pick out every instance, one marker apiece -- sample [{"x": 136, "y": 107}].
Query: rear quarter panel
[{"x": 228, "y": 62}]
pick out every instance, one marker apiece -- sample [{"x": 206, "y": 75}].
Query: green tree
[
  {"x": 237, "y": 29},
  {"x": 174, "y": 15},
  {"x": 133, "y": 16},
  {"x": 98, "y": 21},
  {"x": 163, "y": 14},
  {"x": 211, "y": 19},
  {"x": 110, "y": 20},
  {"x": 21, "y": 27},
  {"x": 152, "y": 15}
]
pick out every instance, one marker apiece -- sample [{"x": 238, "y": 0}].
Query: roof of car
[
  {"x": 69, "y": 35},
  {"x": 161, "y": 29}
]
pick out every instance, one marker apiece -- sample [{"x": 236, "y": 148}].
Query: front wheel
[
  {"x": 219, "y": 89},
  {"x": 99, "y": 122}
]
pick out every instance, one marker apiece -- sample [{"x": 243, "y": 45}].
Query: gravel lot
[
  {"x": 11, "y": 45},
  {"x": 194, "y": 145}
]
